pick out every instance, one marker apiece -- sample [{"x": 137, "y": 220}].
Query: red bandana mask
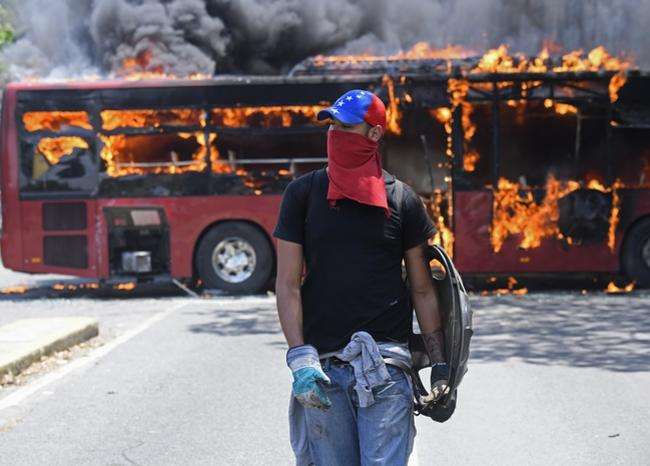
[{"x": 354, "y": 170}]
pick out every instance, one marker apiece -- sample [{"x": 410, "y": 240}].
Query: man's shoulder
[
  {"x": 306, "y": 177},
  {"x": 409, "y": 198},
  {"x": 302, "y": 184},
  {"x": 407, "y": 189}
]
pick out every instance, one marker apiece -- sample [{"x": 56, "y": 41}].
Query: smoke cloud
[{"x": 68, "y": 38}]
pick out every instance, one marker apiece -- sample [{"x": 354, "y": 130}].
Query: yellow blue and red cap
[{"x": 355, "y": 107}]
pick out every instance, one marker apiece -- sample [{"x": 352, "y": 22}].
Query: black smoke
[{"x": 66, "y": 38}]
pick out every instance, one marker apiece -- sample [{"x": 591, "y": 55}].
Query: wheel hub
[
  {"x": 233, "y": 260},
  {"x": 645, "y": 252}
]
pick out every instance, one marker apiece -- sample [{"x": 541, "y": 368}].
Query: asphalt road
[{"x": 174, "y": 380}]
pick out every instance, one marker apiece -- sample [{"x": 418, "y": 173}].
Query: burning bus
[{"x": 527, "y": 165}]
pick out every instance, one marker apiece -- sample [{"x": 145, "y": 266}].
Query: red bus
[{"x": 150, "y": 180}]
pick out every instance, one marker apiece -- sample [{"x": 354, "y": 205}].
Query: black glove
[{"x": 439, "y": 381}]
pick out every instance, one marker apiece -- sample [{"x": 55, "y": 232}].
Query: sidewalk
[{"x": 25, "y": 341}]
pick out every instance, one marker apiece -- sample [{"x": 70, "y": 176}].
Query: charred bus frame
[{"x": 233, "y": 200}]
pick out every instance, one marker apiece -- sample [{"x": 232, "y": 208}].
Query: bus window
[
  {"x": 55, "y": 121},
  {"x": 591, "y": 148},
  {"x": 184, "y": 117},
  {"x": 631, "y": 154},
  {"x": 418, "y": 156},
  {"x": 279, "y": 143},
  {"x": 275, "y": 150},
  {"x": 129, "y": 154},
  {"x": 265, "y": 117},
  {"x": 64, "y": 163},
  {"x": 535, "y": 142}
]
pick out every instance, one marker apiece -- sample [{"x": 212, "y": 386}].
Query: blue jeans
[{"x": 347, "y": 435}]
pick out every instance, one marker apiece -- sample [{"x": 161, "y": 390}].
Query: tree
[{"x": 6, "y": 28}]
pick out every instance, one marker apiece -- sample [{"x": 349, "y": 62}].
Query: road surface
[{"x": 173, "y": 380}]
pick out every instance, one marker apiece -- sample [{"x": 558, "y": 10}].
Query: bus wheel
[
  {"x": 235, "y": 257},
  {"x": 636, "y": 253}
]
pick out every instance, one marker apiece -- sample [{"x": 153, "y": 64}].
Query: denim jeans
[{"x": 347, "y": 435}]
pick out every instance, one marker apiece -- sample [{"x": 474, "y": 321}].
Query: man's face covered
[
  {"x": 354, "y": 165},
  {"x": 350, "y": 148}
]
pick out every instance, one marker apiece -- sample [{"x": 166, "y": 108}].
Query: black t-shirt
[{"x": 353, "y": 255}]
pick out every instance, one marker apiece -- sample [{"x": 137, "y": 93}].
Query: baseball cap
[{"x": 356, "y": 106}]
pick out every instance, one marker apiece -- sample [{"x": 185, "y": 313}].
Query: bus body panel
[
  {"x": 12, "y": 254},
  {"x": 188, "y": 218},
  {"x": 635, "y": 204},
  {"x": 34, "y": 236},
  {"x": 473, "y": 252}
]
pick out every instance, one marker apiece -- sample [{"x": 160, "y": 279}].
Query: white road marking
[{"x": 21, "y": 394}]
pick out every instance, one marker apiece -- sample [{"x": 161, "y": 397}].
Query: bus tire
[
  {"x": 636, "y": 253},
  {"x": 235, "y": 257}
]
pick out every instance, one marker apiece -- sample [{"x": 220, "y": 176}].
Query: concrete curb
[{"x": 25, "y": 341}]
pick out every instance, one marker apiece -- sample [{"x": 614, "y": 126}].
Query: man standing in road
[{"x": 353, "y": 308}]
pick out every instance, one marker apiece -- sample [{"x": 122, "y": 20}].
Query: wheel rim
[
  {"x": 645, "y": 252},
  {"x": 233, "y": 260}
]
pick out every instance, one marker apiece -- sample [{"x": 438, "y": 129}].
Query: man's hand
[
  {"x": 434, "y": 343},
  {"x": 439, "y": 381},
  {"x": 308, "y": 377}
]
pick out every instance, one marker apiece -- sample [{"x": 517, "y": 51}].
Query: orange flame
[
  {"x": 443, "y": 236},
  {"x": 419, "y": 51},
  {"x": 614, "y": 216},
  {"x": 469, "y": 160},
  {"x": 140, "y": 67},
  {"x": 18, "y": 289},
  {"x": 445, "y": 117},
  {"x": 617, "y": 81},
  {"x": 393, "y": 112},
  {"x": 265, "y": 116},
  {"x": 516, "y": 212},
  {"x": 560, "y": 108},
  {"x": 458, "y": 91},
  {"x": 55, "y": 148},
  {"x": 55, "y": 121},
  {"x": 613, "y": 289},
  {"x": 113, "y": 119},
  {"x": 512, "y": 281},
  {"x": 125, "y": 286}
]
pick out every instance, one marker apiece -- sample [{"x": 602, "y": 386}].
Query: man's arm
[
  {"x": 425, "y": 301},
  {"x": 287, "y": 291},
  {"x": 308, "y": 375}
]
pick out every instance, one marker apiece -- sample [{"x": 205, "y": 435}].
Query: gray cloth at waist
[{"x": 365, "y": 356}]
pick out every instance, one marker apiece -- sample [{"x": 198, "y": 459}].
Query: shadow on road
[
  {"x": 569, "y": 329},
  {"x": 236, "y": 319}
]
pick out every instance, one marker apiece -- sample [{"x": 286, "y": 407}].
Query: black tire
[
  {"x": 256, "y": 276},
  {"x": 636, "y": 253}
]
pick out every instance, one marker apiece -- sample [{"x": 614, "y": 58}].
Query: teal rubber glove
[{"x": 308, "y": 377}]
